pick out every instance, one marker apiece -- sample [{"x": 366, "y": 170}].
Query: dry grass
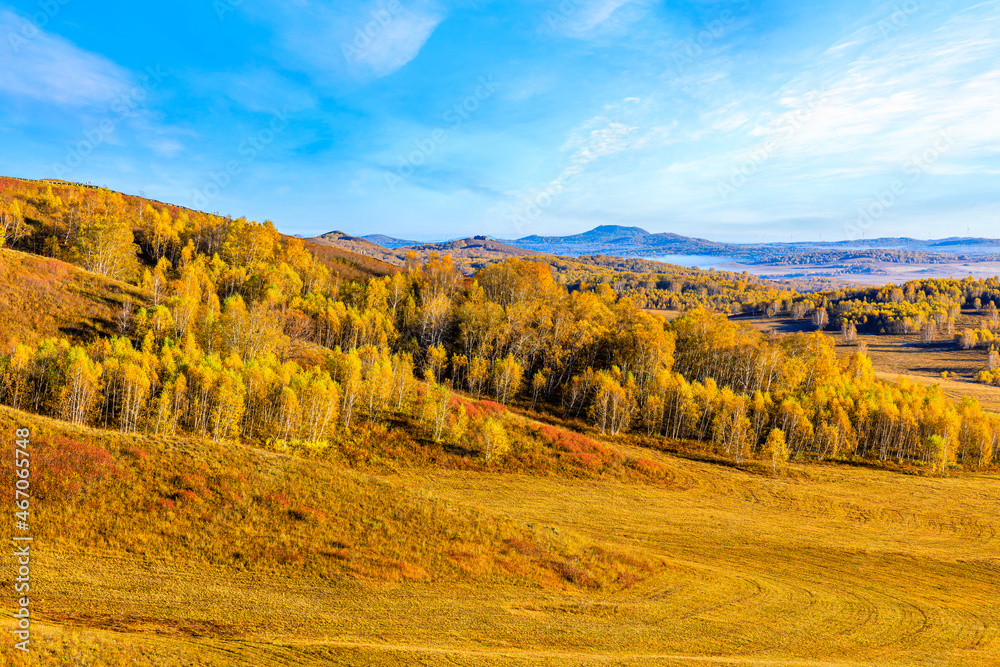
[
  {"x": 823, "y": 565},
  {"x": 42, "y": 297},
  {"x": 349, "y": 263}
]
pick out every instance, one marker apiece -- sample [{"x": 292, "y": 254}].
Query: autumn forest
[{"x": 225, "y": 329}]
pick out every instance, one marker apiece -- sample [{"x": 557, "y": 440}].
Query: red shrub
[
  {"x": 138, "y": 453},
  {"x": 587, "y": 460},
  {"x": 651, "y": 468},
  {"x": 277, "y": 499},
  {"x": 62, "y": 469},
  {"x": 525, "y": 548},
  {"x": 483, "y": 409},
  {"x": 189, "y": 496}
]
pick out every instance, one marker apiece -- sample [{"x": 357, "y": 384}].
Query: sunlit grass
[{"x": 822, "y": 565}]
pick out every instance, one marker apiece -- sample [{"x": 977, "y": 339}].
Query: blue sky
[{"x": 747, "y": 120}]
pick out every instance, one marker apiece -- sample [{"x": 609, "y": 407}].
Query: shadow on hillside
[
  {"x": 781, "y": 325},
  {"x": 88, "y": 330}
]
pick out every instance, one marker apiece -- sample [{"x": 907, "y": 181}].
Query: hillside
[
  {"x": 50, "y": 210},
  {"x": 352, "y": 265},
  {"x": 473, "y": 254},
  {"x": 219, "y": 554},
  {"x": 469, "y": 255},
  {"x": 43, "y": 297},
  {"x": 271, "y": 455},
  {"x": 388, "y": 241}
]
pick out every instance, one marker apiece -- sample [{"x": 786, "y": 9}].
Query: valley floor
[{"x": 826, "y": 565}]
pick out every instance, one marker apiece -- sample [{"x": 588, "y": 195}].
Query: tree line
[{"x": 245, "y": 334}]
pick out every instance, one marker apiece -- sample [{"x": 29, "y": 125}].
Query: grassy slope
[
  {"x": 350, "y": 264},
  {"x": 42, "y": 297},
  {"x": 826, "y": 565}
]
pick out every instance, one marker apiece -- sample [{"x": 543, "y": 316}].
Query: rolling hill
[{"x": 388, "y": 241}]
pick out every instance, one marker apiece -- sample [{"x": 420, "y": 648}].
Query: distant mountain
[
  {"x": 637, "y": 242},
  {"x": 388, "y": 241},
  {"x": 614, "y": 239},
  {"x": 599, "y": 235}
]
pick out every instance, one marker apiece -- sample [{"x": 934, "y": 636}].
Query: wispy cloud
[
  {"x": 400, "y": 40},
  {"x": 582, "y": 18},
  {"x": 880, "y": 105},
  {"x": 600, "y": 137},
  {"x": 52, "y": 70},
  {"x": 596, "y": 12},
  {"x": 372, "y": 38}
]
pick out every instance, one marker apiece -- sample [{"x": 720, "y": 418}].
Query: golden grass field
[{"x": 818, "y": 565}]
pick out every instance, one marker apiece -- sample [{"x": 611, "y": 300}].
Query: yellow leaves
[
  {"x": 776, "y": 448},
  {"x": 489, "y": 438},
  {"x": 81, "y": 386},
  {"x": 349, "y": 374},
  {"x": 438, "y": 278},
  {"x": 248, "y": 244},
  {"x": 508, "y": 374},
  {"x": 613, "y": 406},
  {"x": 104, "y": 244},
  {"x": 436, "y": 410},
  {"x": 516, "y": 280},
  {"x": 437, "y": 359}
]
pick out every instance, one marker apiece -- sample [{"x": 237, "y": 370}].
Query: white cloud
[
  {"x": 165, "y": 147},
  {"x": 597, "y": 12},
  {"x": 399, "y": 41},
  {"x": 51, "y": 69},
  {"x": 616, "y": 131},
  {"x": 374, "y": 38}
]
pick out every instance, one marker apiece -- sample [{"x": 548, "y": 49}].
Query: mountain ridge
[{"x": 638, "y": 242}]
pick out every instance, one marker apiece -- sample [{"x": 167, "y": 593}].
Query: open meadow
[{"x": 820, "y": 565}]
